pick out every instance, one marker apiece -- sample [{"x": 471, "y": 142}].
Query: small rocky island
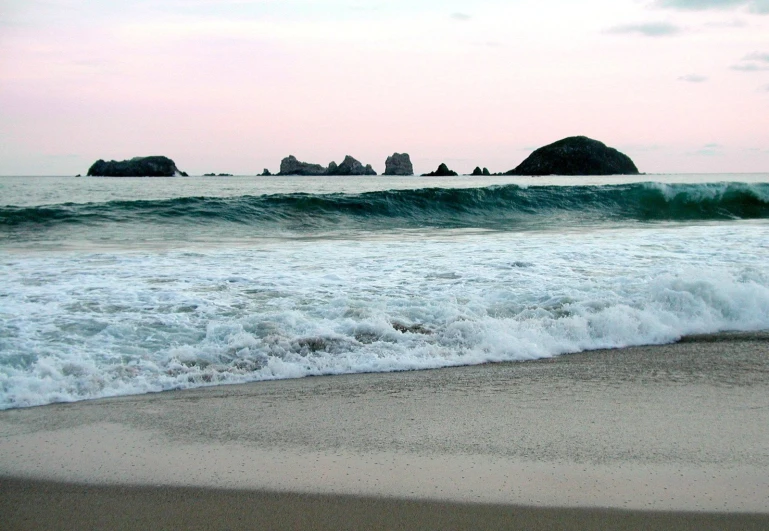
[
  {"x": 478, "y": 172},
  {"x": 349, "y": 166},
  {"x": 155, "y": 166},
  {"x": 576, "y": 155},
  {"x": 399, "y": 164},
  {"x": 442, "y": 171}
]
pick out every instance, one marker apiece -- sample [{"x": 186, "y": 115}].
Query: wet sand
[
  {"x": 670, "y": 437},
  {"x": 39, "y": 506}
]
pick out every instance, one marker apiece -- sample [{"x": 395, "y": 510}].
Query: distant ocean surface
[{"x": 116, "y": 286}]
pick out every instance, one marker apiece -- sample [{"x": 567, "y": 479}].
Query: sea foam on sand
[{"x": 677, "y": 427}]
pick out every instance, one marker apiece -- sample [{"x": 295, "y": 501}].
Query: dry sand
[{"x": 671, "y": 437}]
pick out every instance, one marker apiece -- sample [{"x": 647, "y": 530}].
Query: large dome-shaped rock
[
  {"x": 442, "y": 171},
  {"x": 291, "y": 166},
  {"x": 350, "y": 166},
  {"x": 399, "y": 164},
  {"x": 155, "y": 166},
  {"x": 576, "y": 155}
]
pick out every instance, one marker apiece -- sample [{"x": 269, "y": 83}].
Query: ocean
[{"x": 118, "y": 286}]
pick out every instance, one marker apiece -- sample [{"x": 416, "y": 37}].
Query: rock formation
[
  {"x": 265, "y": 173},
  {"x": 576, "y": 155},
  {"x": 486, "y": 171},
  {"x": 442, "y": 171},
  {"x": 399, "y": 164},
  {"x": 350, "y": 166},
  {"x": 291, "y": 166},
  {"x": 477, "y": 172},
  {"x": 155, "y": 166}
]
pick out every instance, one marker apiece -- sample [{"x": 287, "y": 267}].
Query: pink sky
[{"x": 234, "y": 86}]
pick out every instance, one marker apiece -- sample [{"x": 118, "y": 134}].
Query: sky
[{"x": 233, "y": 86}]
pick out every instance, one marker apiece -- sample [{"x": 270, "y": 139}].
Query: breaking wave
[{"x": 508, "y": 207}]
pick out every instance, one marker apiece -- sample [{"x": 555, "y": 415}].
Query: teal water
[
  {"x": 227, "y": 214},
  {"x": 123, "y": 286}
]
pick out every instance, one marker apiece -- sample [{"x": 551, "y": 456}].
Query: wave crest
[{"x": 508, "y": 207}]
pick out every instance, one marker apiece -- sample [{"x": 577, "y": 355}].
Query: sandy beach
[{"x": 668, "y": 437}]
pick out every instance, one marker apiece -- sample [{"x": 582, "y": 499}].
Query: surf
[{"x": 501, "y": 207}]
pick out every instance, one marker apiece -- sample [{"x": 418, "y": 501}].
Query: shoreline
[
  {"x": 715, "y": 337},
  {"x": 675, "y": 432}
]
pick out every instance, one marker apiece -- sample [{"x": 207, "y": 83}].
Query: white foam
[
  {"x": 76, "y": 326},
  {"x": 702, "y": 191}
]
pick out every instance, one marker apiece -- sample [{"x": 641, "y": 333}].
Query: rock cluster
[
  {"x": 291, "y": 166},
  {"x": 155, "y": 166},
  {"x": 442, "y": 171},
  {"x": 576, "y": 155},
  {"x": 349, "y": 166},
  {"x": 399, "y": 164}
]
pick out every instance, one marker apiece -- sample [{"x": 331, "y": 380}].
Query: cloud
[
  {"x": 749, "y": 67},
  {"x": 753, "y": 62},
  {"x": 461, "y": 16},
  {"x": 760, "y": 7},
  {"x": 648, "y": 29},
  {"x": 693, "y": 78},
  {"x": 757, "y": 56},
  {"x": 698, "y": 5},
  {"x": 709, "y": 150}
]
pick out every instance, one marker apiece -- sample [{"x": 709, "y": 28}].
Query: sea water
[{"x": 123, "y": 286}]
